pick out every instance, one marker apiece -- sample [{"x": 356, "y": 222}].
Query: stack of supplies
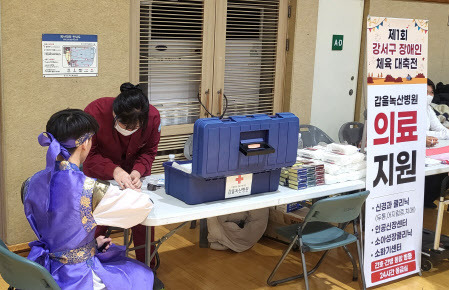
[
  {"x": 297, "y": 177},
  {"x": 283, "y": 180},
  {"x": 329, "y": 164},
  {"x": 306, "y": 174},
  {"x": 343, "y": 163},
  {"x": 315, "y": 153}
]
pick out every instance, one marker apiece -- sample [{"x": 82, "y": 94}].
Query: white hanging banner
[{"x": 396, "y": 133}]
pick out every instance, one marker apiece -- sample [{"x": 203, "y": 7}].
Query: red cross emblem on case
[{"x": 239, "y": 179}]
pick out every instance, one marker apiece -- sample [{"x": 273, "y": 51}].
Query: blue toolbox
[{"x": 237, "y": 148}]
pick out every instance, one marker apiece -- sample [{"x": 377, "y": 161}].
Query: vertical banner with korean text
[{"x": 396, "y": 133}]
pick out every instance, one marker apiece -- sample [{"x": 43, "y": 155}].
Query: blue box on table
[{"x": 257, "y": 144}]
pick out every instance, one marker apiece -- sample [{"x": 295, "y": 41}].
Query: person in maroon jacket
[{"x": 125, "y": 146}]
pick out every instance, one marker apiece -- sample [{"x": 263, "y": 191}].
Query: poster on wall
[
  {"x": 396, "y": 133},
  {"x": 69, "y": 55}
]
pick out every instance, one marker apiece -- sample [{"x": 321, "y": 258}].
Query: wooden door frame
[
  {"x": 207, "y": 60},
  {"x": 3, "y": 233},
  {"x": 281, "y": 54},
  {"x": 220, "y": 61},
  {"x": 219, "y": 56}
]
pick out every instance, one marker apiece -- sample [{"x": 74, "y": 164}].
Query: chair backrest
[
  {"x": 188, "y": 148},
  {"x": 351, "y": 132},
  {"x": 24, "y": 189},
  {"x": 337, "y": 209},
  {"x": 311, "y": 136},
  {"x": 22, "y": 273}
]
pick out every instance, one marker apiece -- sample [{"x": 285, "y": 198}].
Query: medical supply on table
[
  {"x": 334, "y": 169},
  {"x": 300, "y": 143},
  {"x": 342, "y": 149},
  {"x": 341, "y": 163},
  {"x": 356, "y": 174},
  {"x": 311, "y": 153},
  {"x": 154, "y": 182},
  {"x": 236, "y": 156},
  {"x": 305, "y": 174},
  {"x": 357, "y": 166},
  {"x": 342, "y": 160},
  {"x": 187, "y": 168}
]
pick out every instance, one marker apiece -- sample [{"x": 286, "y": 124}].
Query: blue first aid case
[
  {"x": 217, "y": 144},
  {"x": 258, "y": 144},
  {"x": 193, "y": 189}
]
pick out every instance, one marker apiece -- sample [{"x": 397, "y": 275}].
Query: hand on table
[
  {"x": 123, "y": 179},
  {"x": 431, "y": 141},
  {"x": 101, "y": 240},
  {"x": 135, "y": 179}
]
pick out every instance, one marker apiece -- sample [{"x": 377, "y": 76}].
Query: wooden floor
[{"x": 185, "y": 266}]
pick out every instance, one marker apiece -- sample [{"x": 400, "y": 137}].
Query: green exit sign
[{"x": 337, "y": 42}]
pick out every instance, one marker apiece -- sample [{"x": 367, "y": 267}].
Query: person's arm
[
  {"x": 147, "y": 154},
  {"x": 436, "y": 128},
  {"x": 98, "y": 166},
  {"x": 119, "y": 208}
]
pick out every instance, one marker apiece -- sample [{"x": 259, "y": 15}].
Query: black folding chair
[
  {"x": 311, "y": 136},
  {"x": 351, "y": 133}
]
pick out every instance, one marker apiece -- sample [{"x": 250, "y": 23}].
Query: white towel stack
[{"x": 341, "y": 162}]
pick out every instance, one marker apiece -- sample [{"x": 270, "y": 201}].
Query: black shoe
[{"x": 430, "y": 205}]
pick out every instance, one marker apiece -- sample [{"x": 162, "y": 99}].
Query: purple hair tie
[
  {"x": 72, "y": 143},
  {"x": 56, "y": 147}
]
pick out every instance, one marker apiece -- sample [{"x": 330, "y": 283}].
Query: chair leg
[
  {"x": 359, "y": 252},
  {"x": 274, "y": 283},
  {"x": 361, "y": 264},
  {"x": 355, "y": 272},
  {"x": 304, "y": 274},
  {"x": 304, "y": 267},
  {"x": 193, "y": 224},
  {"x": 125, "y": 241}
]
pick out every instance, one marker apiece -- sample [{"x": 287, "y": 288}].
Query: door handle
[{"x": 220, "y": 102}]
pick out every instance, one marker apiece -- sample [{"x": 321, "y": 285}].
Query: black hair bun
[{"x": 128, "y": 87}]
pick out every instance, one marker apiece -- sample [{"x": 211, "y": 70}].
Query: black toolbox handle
[{"x": 262, "y": 150}]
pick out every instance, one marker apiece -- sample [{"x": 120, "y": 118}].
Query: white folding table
[{"x": 169, "y": 210}]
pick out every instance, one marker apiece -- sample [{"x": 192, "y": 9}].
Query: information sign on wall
[
  {"x": 337, "y": 42},
  {"x": 69, "y": 55}
]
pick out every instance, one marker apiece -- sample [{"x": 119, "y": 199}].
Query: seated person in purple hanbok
[{"x": 63, "y": 207}]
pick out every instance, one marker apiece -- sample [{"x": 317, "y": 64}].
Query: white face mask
[
  {"x": 124, "y": 132},
  {"x": 429, "y": 99}
]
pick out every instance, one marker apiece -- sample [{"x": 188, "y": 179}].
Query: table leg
[
  {"x": 204, "y": 243},
  {"x": 148, "y": 247}
]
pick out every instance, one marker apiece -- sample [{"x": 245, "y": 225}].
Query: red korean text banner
[{"x": 396, "y": 133}]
